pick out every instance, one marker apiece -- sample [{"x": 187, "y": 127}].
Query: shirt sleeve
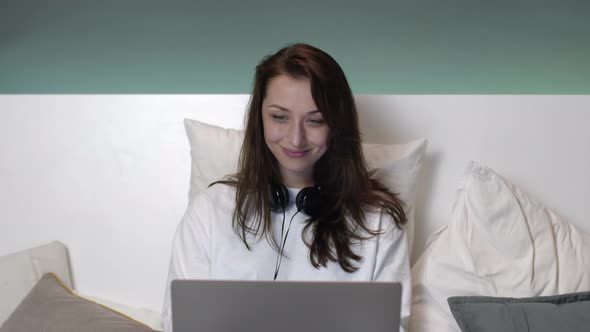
[
  {"x": 392, "y": 263},
  {"x": 190, "y": 257}
]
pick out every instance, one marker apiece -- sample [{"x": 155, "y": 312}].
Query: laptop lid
[{"x": 271, "y": 306}]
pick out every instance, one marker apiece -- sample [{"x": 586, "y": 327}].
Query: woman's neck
[{"x": 297, "y": 183}]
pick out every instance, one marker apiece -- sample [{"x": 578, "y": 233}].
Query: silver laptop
[{"x": 285, "y": 306}]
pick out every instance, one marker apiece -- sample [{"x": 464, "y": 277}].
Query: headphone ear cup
[
  {"x": 279, "y": 197},
  {"x": 309, "y": 201}
]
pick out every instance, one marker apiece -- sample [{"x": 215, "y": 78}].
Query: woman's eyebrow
[
  {"x": 280, "y": 107},
  {"x": 288, "y": 110}
]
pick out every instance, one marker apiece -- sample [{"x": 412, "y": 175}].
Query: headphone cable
[{"x": 282, "y": 246}]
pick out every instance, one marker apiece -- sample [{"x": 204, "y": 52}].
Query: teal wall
[{"x": 392, "y": 47}]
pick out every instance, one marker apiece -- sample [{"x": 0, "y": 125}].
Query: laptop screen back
[{"x": 272, "y": 306}]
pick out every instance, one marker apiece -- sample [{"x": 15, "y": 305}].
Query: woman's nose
[{"x": 297, "y": 135}]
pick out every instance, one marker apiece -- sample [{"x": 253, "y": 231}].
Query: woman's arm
[
  {"x": 190, "y": 257},
  {"x": 392, "y": 263}
]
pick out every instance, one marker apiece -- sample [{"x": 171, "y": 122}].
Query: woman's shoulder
[
  {"x": 386, "y": 211},
  {"x": 220, "y": 190},
  {"x": 378, "y": 220},
  {"x": 218, "y": 196}
]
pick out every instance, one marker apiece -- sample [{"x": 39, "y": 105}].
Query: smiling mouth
[{"x": 295, "y": 153}]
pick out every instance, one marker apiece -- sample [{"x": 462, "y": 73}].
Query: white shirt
[{"x": 206, "y": 246}]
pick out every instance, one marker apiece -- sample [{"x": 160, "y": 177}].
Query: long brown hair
[{"x": 348, "y": 190}]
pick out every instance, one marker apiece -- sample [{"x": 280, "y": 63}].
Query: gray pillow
[
  {"x": 566, "y": 312},
  {"x": 51, "y": 307}
]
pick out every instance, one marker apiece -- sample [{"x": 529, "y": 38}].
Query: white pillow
[
  {"x": 20, "y": 272},
  {"x": 499, "y": 242},
  {"x": 215, "y": 151}
]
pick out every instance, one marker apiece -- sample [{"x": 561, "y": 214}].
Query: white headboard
[{"x": 108, "y": 175}]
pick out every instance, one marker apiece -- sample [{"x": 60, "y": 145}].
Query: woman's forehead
[{"x": 289, "y": 94}]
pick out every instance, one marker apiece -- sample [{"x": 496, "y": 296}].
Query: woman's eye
[
  {"x": 317, "y": 121},
  {"x": 279, "y": 117}
]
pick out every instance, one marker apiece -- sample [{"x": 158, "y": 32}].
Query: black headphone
[{"x": 308, "y": 200}]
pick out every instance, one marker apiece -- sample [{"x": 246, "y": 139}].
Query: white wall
[{"x": 108, "y": 175}]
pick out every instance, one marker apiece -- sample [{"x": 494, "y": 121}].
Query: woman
[{"x": 301, "y": 172}]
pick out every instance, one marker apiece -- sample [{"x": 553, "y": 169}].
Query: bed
[{"x": 498, "y": 191}]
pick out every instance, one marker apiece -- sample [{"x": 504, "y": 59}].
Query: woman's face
[{"x": 294, "y": 129}]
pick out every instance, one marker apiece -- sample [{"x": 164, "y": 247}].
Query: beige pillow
[
  {"x": 52, "y": 307},
  {"x": 146, "y": 316},
  {"x": 215, "y": 151},
  {"x": 20, "y": 271}
]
